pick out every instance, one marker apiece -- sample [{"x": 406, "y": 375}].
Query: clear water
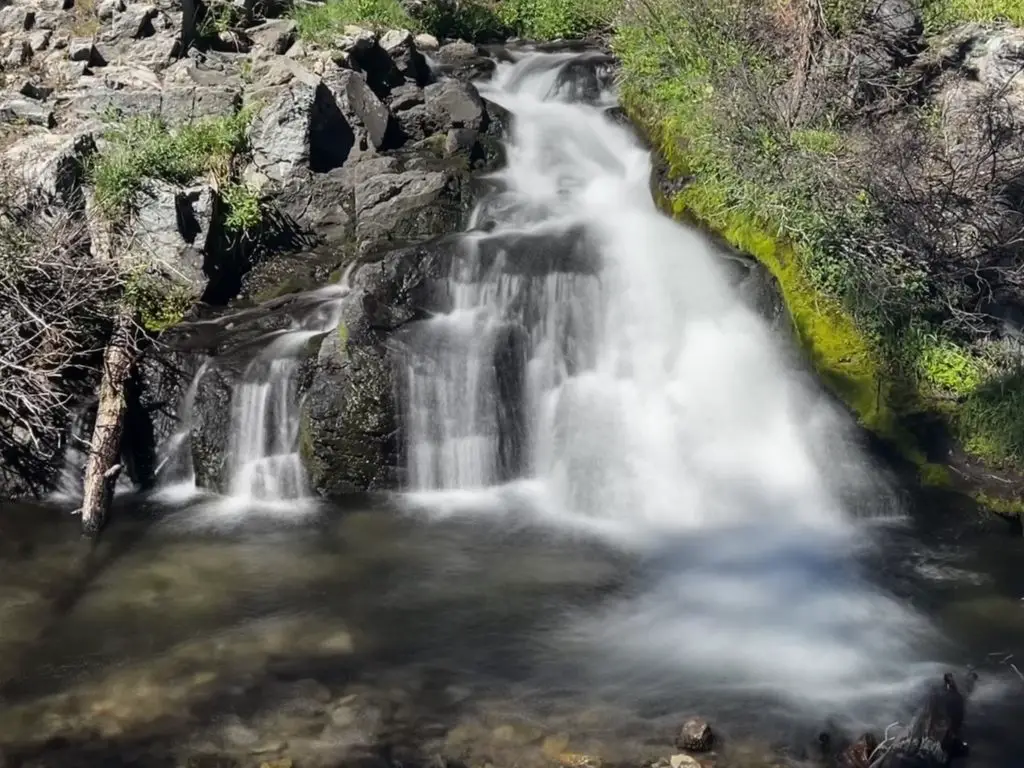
[{"x": 679, "y": 524}]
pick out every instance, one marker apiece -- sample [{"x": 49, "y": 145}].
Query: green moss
[
  {"x": 322, "y": 22},
  {"x": 934, "y": 475},
  {"x": 343, "y": 335},
  {"x": 144, "y": 148},
  {"x": 159, "y": 301},
  {"x": 841, "y": 354},
  {"x": 943, "y": 14},
  {"x": 1005, "y": 507}
]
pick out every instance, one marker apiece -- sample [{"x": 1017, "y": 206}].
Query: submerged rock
[{"x": 695, "y": 735}]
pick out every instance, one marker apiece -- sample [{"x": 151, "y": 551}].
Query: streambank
[{"x": 843, "y": 152}]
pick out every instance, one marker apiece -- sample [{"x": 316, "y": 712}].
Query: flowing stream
[{"x": 628, "y": 503}]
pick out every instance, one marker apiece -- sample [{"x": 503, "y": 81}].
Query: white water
[
  {"x": 264, "y": 468},
  {"x": 655, "y": 408}
]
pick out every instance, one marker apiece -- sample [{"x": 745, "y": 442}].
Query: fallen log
[{"x": 103, "y": 466}]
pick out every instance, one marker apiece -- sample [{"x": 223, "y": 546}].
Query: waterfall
[
  {"x": 599, "y": 364},
  {"x": 261, "y": 443}
]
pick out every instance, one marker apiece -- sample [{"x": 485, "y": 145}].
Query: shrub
[{"x": 54, "y": 319}]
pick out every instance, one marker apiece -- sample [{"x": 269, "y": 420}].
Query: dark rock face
[{"x": 349, "y": 436}]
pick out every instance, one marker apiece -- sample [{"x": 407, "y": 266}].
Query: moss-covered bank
[{"x": 879, "y": 314}]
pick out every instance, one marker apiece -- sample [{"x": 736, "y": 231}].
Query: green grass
[
  {"x": 990, "y": 422},
  {"x": 555, "y": 19},
  {"x": 144, "y": 148},
  {"x": 943, "y": 14},
  {"x": 480, "y": 21},
  {"x": 321, "y": 23}
]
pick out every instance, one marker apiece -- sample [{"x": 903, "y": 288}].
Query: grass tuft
[
  {"x": 144, "y": 148},
  {"x": 321, "y": 23}
]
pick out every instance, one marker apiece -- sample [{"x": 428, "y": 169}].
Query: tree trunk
[{"x": 103, "y": 466}]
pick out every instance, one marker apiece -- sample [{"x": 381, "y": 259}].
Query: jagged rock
[
  {"x": 459, "y": 140},
  {"x": 354, "y": 98},
  {"x": 25, "y": 111},
  {"x": 355, "y": 40},
  {"x": 405, "y": 97},
  {"x": 19, "y": 55},
  {"x": 163, "y": 376},
  {"x": 155, "y": 52},
  {"x": 132, "y": 96},
  {"x": 50, "y": 165},
  {"x": 406, "y": 207},
  {"x": 399, "y": 46},
  {"x": 349, "y": 437},
  {"x": 134, "y": 22},
  {"x": 452, "y": 103},
  {"x": 83, "y": 49},
  {"x": 34, "y": 90},
  {"x": 276, "y": 35},
  {"x": 463, "y": 60},
  {"x": 17, "y": 18},
  {"x": 39, "y": 40},
  {"x": 106, "y": 9},
  {"x": 898, "y": 21},
  {"x": 171, "y": 227},
  {"x": 48, "y": 20},
  {"x": 301, "y": 128},
  {"x": 996, "y": 59},
  {"x": 695, "y": 735}
]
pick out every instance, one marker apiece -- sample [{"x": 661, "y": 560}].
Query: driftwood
[
  {"x": 103, "y": 467},
  {"x": 932, "y": 740}
]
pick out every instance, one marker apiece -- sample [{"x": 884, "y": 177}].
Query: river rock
[{"x": 695, "y": 735}]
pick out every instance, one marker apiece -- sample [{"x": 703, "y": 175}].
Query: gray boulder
[
  {"x": 396, "y": 208},
  {"x": 26, "y": 111},
  {"x": 275, "y": 35},
  {"x": 361, "y": 106},
  {"x": 453, "y": 103}
]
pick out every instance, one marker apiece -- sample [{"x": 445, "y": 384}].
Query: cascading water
[
  {"x": 624, "y": 386},
  {"x": 263, "y": 463}
]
